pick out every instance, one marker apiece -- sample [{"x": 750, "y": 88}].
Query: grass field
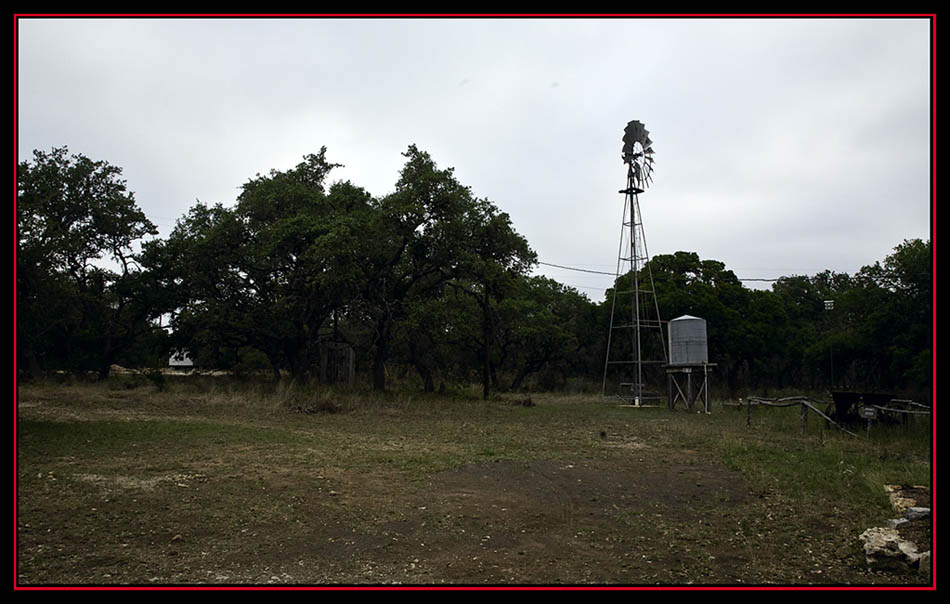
[{"x": 216, "y": 482}]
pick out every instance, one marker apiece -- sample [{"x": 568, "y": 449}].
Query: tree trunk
[
  {"x": 298, "y": 362},
  {"x": 379, "y": 364},
  {"x": 425, "y": 372},
  {"x": 381, "y": 354},
  {"x": 486, "y": 348},
  {"x": 379, "y": 372},
  {"x": 104, "y": 370},
  {"x": 33, "y": 365},
  {"x": 105, "y": 361},
  {"x": 519, "y": 379},
  {"x": 275, "y": 366},
  {"x": 428, "y": 384}
]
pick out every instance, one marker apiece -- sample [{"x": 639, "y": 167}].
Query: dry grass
[{"x": 217, "y": 480}]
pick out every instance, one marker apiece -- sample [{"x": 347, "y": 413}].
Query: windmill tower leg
[{"x": 630, "y": 353}]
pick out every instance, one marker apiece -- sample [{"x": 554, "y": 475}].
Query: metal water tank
[{"x": 688, "y": 341}]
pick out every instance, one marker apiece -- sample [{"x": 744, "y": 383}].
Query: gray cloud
[{"x": 783, "y": 145}]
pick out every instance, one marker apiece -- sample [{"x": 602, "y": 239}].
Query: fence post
[
  {"x": 804, "y": 416},
  {"x": 867, "y": 420}
]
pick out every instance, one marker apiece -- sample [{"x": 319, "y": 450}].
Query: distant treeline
[{"x": 428, "y": 277}]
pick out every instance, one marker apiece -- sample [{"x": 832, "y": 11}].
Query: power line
[
  {"x": 596, "y": 289},
  {"x": 585, "y": 270},
  {"x": 571, "y": 268}
]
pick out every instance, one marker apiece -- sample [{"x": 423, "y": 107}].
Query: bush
[{"x": 157, "y": 378}]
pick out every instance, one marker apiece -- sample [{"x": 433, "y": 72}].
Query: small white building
[{"x": 180, "y": 360}]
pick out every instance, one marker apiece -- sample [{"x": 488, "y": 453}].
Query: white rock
[
  {"x": 885, "y": 550},
  {"x": 896, "y": 522},
  {"x": 924, "y": 565},
  {"x": 909, "y": 549}
]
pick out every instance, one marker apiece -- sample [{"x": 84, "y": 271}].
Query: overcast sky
[{"x": 783, "y": 146}]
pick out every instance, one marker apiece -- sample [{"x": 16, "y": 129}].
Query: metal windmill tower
[{"x": 635, "y": 340}]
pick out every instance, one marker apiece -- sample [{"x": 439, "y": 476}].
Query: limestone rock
[
  {"x": 900, "y": 500},
  {"x": 900, "y": 503},
  {"x": 896, "y": 522},
  {"x": 885, "y": 550},
  {"x": 924, "y": 565}
]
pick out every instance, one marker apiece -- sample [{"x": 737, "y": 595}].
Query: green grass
[
  {"x": 90, "y": 438},
  {"x": 826, "y": 467},
  {"x": 193, "y": 458},
  {"x": 428, "y": 432}
]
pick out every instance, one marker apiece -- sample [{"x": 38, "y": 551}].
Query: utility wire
[{"x": 584, "y": 270}]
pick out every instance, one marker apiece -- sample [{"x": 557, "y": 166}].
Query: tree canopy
[
  {"x": 82, "y": 299},
  {"x": 428, "y": 277}
]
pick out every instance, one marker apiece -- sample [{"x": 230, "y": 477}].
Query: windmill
[{"x": 635, "y": 340}]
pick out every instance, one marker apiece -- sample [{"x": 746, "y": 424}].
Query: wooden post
[
  {"x": 748, "y": 412},
  {"x": 867, "y": 420},
  {"x": 804, "y": 416},
  {"x": 669, "y": 390},
  {"x": 706, "y": 387},
  {"x": 689, "y": 390}
]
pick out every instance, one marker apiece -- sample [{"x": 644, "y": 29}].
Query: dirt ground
[
  {"x": 242, "y": 510},
  {"x": 505, "y": 522},
  {"x": 548, "y": 522}
]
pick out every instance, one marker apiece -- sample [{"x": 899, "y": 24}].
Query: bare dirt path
[{"x": 120, "y": 490}]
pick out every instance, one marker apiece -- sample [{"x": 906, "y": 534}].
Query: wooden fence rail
[
  {"x": 806, "y": 405},
  {"x": 791, "y": 401}
]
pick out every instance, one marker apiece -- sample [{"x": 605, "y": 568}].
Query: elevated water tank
[{"x": 688, "y": 341}]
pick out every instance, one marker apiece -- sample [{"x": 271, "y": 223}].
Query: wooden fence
[{"x": 895, "y": 406}]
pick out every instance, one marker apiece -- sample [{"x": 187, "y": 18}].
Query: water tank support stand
[{"x": 676, "y": 373}]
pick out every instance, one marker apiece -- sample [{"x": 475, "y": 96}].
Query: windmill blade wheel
[{"x": 638, "y": 152}]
